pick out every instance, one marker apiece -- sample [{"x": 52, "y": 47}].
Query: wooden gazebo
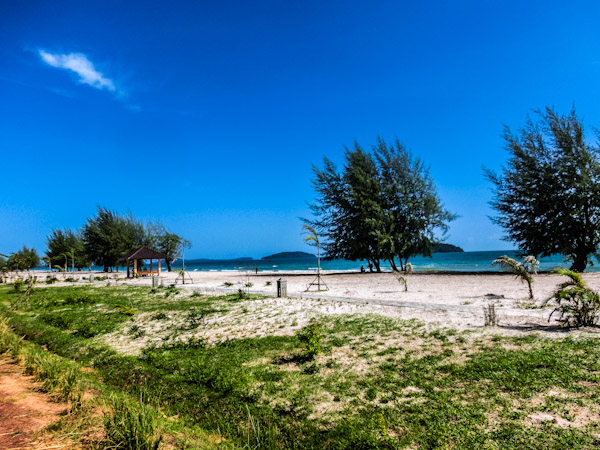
[{"x": 141, "y": 254}]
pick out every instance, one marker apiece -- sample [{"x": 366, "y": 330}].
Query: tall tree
[
  {"x": 414, "y": 211},
  {"x": 384, "y": 206},
  {"x": 108, "y": 236},
  {"x": 66, "y": 243},
  {"x": 548, "y": 195},
  {"x": 168, "y": 243},
  {"x": 366, "y": 214},
  {"x": 24, "y": 259}
]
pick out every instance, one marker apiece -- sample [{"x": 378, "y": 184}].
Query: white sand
[{"x": 455, "y": 300}]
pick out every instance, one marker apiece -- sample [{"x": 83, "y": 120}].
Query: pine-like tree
[
  {"x": 384, "y": 206},
  {"x": 548, "y": 196},
  {"x": 61, "y": 243},
  {"x": 109, "y": 236}
]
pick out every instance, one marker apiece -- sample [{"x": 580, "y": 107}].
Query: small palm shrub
[
  {"x": 522, "y": 270},
  {"x": 577, "y": 304}
]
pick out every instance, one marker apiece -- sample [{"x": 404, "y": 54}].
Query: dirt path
[{"x": 24, "y": 410}]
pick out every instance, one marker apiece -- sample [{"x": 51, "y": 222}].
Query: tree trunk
[
  {"x": 168, "y": 261},
  {"x": 393, "y": 264},
  {"x": 377, "y": 266},
  {"x": 579, "y": 262}
]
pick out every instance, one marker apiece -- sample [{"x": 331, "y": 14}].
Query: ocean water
[{"x": 460, "y": 262}]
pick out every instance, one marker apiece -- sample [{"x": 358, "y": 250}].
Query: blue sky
[{"x": 207, "y": 116}]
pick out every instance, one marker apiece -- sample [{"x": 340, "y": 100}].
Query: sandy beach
[{"x": 455, "y": 300}]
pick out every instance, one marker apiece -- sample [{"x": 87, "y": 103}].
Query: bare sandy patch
[{"x": 24, "y": 411}]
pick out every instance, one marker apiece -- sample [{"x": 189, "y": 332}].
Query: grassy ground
[{"x": 217, "y": 380}]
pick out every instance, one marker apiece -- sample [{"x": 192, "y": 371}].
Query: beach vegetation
[
  {"x": 522, "y": 270},
  {"x": 548, "y": 195},
  {"x": 377, "y": 382},
  {"x": 24, "y": 259},
  {"x": 403, "y": 276},
  {"x": 382, "y": 206},
  {"x": 166, "y": 242},
  {"x": 66, "y": 247},
  {"x": 310, "y": 336},
  {"x": 576, "y": 304},
  {"x": 130, "y": 426},
  {"x": 109, "y": 235}
]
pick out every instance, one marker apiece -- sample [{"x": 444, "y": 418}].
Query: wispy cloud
[{"x": 83, "y": 67}]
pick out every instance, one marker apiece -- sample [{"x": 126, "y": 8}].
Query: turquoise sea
[{"x": 459, "y": 262}]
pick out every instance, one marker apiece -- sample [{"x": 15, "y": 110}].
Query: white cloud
[{"x": 78, "y": 63}]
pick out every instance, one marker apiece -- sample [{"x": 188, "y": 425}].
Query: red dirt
[{"x": 24, "y": 411}]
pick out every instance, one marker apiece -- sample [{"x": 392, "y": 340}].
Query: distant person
[{"x": 362, "y": 269}]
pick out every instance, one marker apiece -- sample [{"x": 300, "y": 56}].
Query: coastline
[{"x": 447, "y": 299}]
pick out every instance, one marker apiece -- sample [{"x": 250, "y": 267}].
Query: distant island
[
  {"x": 445, "y": 248},
  {"x": 289, "y": 255}
]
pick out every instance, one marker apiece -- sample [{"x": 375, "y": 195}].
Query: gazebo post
[
  {"x": 159, "y": 267},
  {"x": 151, "y": 269},
  {"x": 135, "y": 267},
  {"x": 127, "y": 268}
]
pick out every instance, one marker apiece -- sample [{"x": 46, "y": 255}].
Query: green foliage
[
  {"x": 522, "y": 270},
  {"x": 132, "y": 427},
  {"x": 311, "y": 337},
  {"x": 126, "y": 310},
  {"x": 18, "y": 285},
  {"x": 24, "y": 259},
  {"x": 228, "y": 284},
  {"x": 577, "y": 304},
  {"x": 166, "y": 242},
  {"x": 411, "y": 387},
  {"x": 66, "y": 247},
  {"x": 548, "y": 196},
  {"x": 383, "y": 206},
  {"x": 108, "y": 236}
]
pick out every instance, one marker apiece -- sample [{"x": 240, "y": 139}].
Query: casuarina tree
[
  {"x": 383, "y": 206},
  {"x": 548, "y": 195}
]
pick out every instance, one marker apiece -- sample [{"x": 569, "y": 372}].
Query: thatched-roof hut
[{"x": 140, "y": 254}]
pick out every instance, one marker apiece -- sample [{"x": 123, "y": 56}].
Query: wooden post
[
  {"x": 135, "y": 267},
  {"x": 151, "y": 270},
  {"x": 159, "y": 267}
]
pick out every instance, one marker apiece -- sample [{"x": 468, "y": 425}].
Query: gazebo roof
[{"x": 143, "y": 253}]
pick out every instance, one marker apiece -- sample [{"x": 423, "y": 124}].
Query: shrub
[
  {"x": 18, "y": 284},
  {"x": 125, "y": 310},
  {"x": 159, "y": 316},
  {"x": 312, "y": 339},
  {"x": 228, "y": 284},
  {"x": 577, "y": 304},
  {"x": 193, "y": 319}
]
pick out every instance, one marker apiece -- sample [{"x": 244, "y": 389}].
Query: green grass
[{"x": 377, "y": 382}]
